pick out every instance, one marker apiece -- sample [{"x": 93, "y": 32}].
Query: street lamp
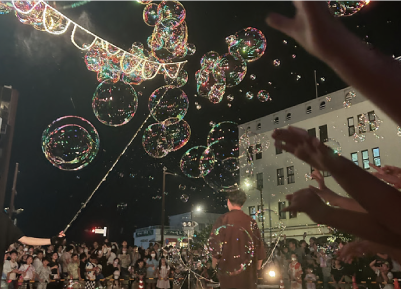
[
  {"x": 165, "y": 172},
  {"x": 189, "y": 228},
  {"x": 199, "y": 209}
]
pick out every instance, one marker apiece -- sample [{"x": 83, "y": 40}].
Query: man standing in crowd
[{"x": 234, "y": 229}]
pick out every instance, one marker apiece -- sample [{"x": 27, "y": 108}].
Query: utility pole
[
  {"x": 263, "y": 214},
  {"x": 13, "y": 192},
  {"x": 163, "y": 205}
]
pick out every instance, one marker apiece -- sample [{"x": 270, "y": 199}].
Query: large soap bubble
[
  {"x": 172, "y": 10},
  {"x": 150, "y": 14},
  {"x": 179, "y": 81},
  {"x": 234, "y": 69},
  {"x": 208, "y": 60},
  {"x": 249, "y": 44},
  {"x": 179, "y": 130},
  {"x": 70, "y": 143},
  {"x": 263, "y": 96},
  {"x": 156, "y": 141},
  {"x": 114, "y": 104},
  {"x": 190, "y": 162},
  {"x": 168, "y": 101},
  {"x": 346, "y": 8},
  {"x": 223, "y": 139}
]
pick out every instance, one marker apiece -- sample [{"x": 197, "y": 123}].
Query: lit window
[
  {"x": 354, "y": 158},
  {"x": 351, "y": 126},
  {"x": 361, "y": 124},
  {"x": 322, "y": 105},
  {"x": 323, "y": 133},
  {"x": 309, "y": 110},
  {"x": 376, "y": 157},
  {"x": 276, "y": 120},
  {"x": 281, "y": 207},
  {"x": 258, "y": 151},
  {"x": 280, "y": 177},
  {"x": 252, "y": 212},
  {"x": 260, "y": 213},
  {"x": 288, "y": 116},
  {"x": 372, "y": 119},
  {"x": 365, "y": 159},
  {"x": 290, "y": 175}
]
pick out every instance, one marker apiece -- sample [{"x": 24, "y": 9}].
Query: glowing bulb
[
  {"x": 199, "y": 209},
  {"x": 272, "y": 273}
]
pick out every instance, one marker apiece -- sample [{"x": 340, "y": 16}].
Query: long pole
[
  {"x": 270, "y": 221},
  {"x": 163, "y": 205},
  {"x": 263, "y": 215},
  {"x": 316, "y": 84},
  {"x": 13, "y": 192}
]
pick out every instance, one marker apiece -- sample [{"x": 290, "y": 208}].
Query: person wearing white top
[
  {"x": 10, "y": 270},
  {"x": 28, "y": 272}
]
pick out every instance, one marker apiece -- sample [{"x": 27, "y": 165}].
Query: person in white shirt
[
  {"x": 10, "y": 271},
  {"x": 37, "y": 262},
  {"x": 66, "y": 259},
  {"x": 28, "y": 271},
  {"x": 44, "y": 274},
  {"x": 91, "y": 271}
]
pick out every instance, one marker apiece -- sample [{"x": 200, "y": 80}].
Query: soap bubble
[
  {"x": 249, "y": 95},
  {"x": 230, "y": 97},
  {"x": 346, "y": 8},
  {"x": 182, "y": 187},
  {"x": 190, "y": 163},
  {"x": 184, "y": 198},
  {"x": 70, "y": 143},
  {"x": 150, "y": 14},
  {"x": 298, "y": 77},
  {"x": 252, "y": 76},
  {"x": 208, "y": 60},
  {"x": 156, "y": 141},
  {"x": 248, "y": 44},
  {"x": 293, "y": 56},
  {"x": 263, "y": 96},
  {"x": 349, "y": 97},
  {"x": 223, "y": 138},
  {"x": 191, "y": 49},
  {"x": 168, "y": 101},
  {"x": 172, "y": 10},
  {"x": 237, "y": 256},
  {"x": 234, "y": 69},
  {"x": 114, "y": 104},
  {"x": 334, "y": 145},
  {"x": 179, "y": 81},
  {"x": 179, "y": 131},
  {"x": 322, "y": 79},
  {"x": 276, "y": 62}
]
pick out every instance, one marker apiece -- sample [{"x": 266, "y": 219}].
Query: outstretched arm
[
  {"x": 41, "y": 241},
  {"x": 373, "y": 74}
]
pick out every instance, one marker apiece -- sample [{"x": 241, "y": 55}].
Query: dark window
[
  {"x": 258, "y": 151},
  {"x": 322, "y": 105},
  {"x": 281, "y": 207},
  {"x": 260, "y": 213},
  {"x": 259, "y": 181},
  {"x": 292, "y": 214},
  {"x": 372, "y": 118},
  {"x": 276, "y": 120},
  {"x": 324, "y": 137},
  {"x": 361, "y": 123},
  {"x": 326, "y": 174},
  {"x": 288, "y": 116},
  {"x": 258, "y": 126},
  {"x": 365, "y": 159},
  {"x": 250, "y": 154},
  {"x": 354, "y": 158},
  {"x": 280, "y": 177},
  {"x": 278, "y": 151},
  {"x": 376, "y": 157},
  {"x": 351, "y": 126},
  {"x": 252, "y": 212},
  {"x": 312, "y": 132},
  {"x": 309, "y": 110},
  {"x": 290, "y": 175}
]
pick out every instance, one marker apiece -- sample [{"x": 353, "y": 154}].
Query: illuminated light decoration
[{"x": 54, "y": 22}]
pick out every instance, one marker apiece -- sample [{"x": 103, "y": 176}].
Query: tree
[{"x": 201, "y": 237}]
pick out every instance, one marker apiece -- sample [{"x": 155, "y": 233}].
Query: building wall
[
  {"x": 335, "y": 116},
  {"x": 202, "y": 218}
]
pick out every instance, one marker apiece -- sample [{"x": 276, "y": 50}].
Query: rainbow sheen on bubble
[
  {"x": 179, "y": 81},
  {"x": 249, "y": 95},
  {"x": 179, "y": 131},
  {"x": 70, "y": 143},
  {"x": 168, "y": 101},
  {"x": 114, "y": 104},
  {"x": 233, "y": 68},
  {"x": 190, "y": 163},
  {"x": 248, "y": 44},
  {"x": 156, "y": 141},
  {"x": 346, "y": 8},
  {"x": 150, "y": 14},
  {"x": 263, "y": 96},
  {"x": 184, "y": 198}
]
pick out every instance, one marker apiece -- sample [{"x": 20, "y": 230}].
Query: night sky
[{"x": 48, "y": 71}]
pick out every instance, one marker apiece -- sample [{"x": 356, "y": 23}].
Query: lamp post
[
  {"x": 165, "y": 172},
  {"x": 189, "y": 228}
]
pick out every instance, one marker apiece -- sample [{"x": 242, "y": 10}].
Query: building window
[
  {"x": 290, "y": 175},
  {"x": 354, "y": 158},
  {"x": 361, "y": 123},
  {"x": 258, "y": 151},
  {"x": 278, "y": 151},
  {"x": 292, "y": 214},
  {"x": 280, "y": 177},
  {"x": 250, "y": 154},
  {"x": 326, "y": 174},
  {"x": 281, "y": 207},
  {"x": 322, "y": 105},
  {"x": 312, "y": 132},
  {"x": 351, "y": 126},
  {"x": 260, "y": 213},
  {"x": 309, "y": 110},
  {"x": 259, "y": 181},
  {"x": 252, "y": 212},
  {"x": 349, "y": 96},
  {"x": 288, "y": 116},
  {"x": 376, "y": 157},
  {"x": 276, "y": 120},
  {"x": 324, "y": 137},
  {"x": 372, "y": 118},
  {"x": 365, "y": 159},
  {"x": 258, "y": 126}
]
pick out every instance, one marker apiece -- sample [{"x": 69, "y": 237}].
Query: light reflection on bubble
[
  {"x": 346, "y": 8},
  {"x": 248, "y": 44},
  {"x": 234, "y": 69},
  {"x": 179, "y": 131},
  {"x": 184, "y": 198},
  {"x": 190, "y": 163},
  {"x": 334, "y": 145},
  {"x": 156, "y": 141},
  {"x": 70, "y": 143},
  {"x": 263, "y": 96},
  {"x": 249, "y": 95},
  {"x": 179, "y": 81},
  {"x": 276, "y": 62}
]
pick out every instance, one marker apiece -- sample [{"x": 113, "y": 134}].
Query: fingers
[
  {"x": 284, "y": 146},
  {"x": 281, "y": 23}
]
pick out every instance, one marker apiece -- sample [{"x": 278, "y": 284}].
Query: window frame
[
  {"x": 281, "y": 215},
  {"x": 259, "y": 154},
  {"x": 351, "y": 128},
  {"x": 280, "y": 177},
  {"x": 323, "y": 137},
  {"x": 279, "y": 151},
  {"x": 357, "y": 160},
  {"x": 260, "y": 214},
  {"x": 376, "y": 157},
  {"x": 252, "y": 215},
  {"x": 365, "y": 161},
  {"x": 361, "y": 125},
  {"x": 371, "y": 113},
  {"x": 290, "y": 177}
]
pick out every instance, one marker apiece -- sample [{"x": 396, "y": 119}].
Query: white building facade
[{"x": 334, "y": 116}]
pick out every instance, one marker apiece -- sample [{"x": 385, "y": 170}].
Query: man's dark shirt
[
  {"x": 236, "y": 232},
  {"x": 9, "y": 234}
]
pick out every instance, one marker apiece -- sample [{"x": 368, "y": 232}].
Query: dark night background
[{"x": 48, "y": 71}]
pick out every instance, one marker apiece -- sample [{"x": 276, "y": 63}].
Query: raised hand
[{"x": 389, "y": 174}]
